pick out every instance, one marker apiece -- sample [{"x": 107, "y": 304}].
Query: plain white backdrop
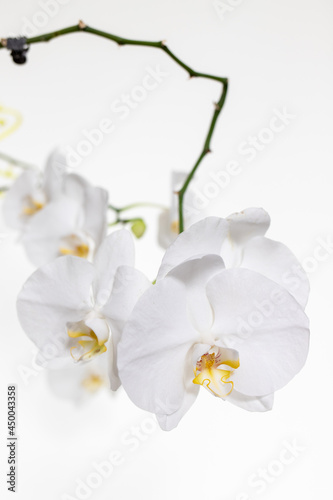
[{"x": 278, "y": 57}]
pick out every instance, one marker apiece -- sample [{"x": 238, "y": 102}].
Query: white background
[{"x": 277, "y": 54}]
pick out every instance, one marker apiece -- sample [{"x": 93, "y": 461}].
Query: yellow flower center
[
  {"x": 174, "y": 227},
  {"x": 88, "y": 346},
  {"x": 73, "y": 245},
  {"x": 93, "y": 382},
  {"x": 33, "y": 207},
  {"x": 78, "y": 251},
  {"x": 211, "y": 371},
  {"x": 7, "y": 173}
]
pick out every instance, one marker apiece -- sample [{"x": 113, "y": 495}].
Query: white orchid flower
[
  {"x": 241, "y": 242},
  {"x": 168, "y": 227},
  {"x": 75, "y": 310},
  {"x": 78, "y": 382},
  {"x": 57, "y": 213},
  {"x": 235, "y": 332}
]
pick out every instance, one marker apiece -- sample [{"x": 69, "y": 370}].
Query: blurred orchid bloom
[
  {"x": 57, "y": 213},
  {"x": 238, "y": 332},
  {"x": 168, "y": 228},
  {"x": 78, "y": 382},
  {"x": 77, "y": 309}
]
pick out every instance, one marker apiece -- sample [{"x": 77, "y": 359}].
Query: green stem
[
  {"x": 16, "y": 162},
  {"x": 206, "y": 149},
  {"x": 136, "y": 205},
  {"x": 162, "y": 46},
  {"x": 125, "y": 221}
]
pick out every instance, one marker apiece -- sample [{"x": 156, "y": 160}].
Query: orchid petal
[
  {"x": 275, "y": 261},
  {"x": 202, "y": 238},
  {"x": 74, "y": 187},
  {"x": 45, "y": 229},
  {"x": 251, "y": 403},
  {"x": 116, "y": 250},
  {"x": 154, "y": 350},
  {"x": 95, "y": 210},
  {"x": 195, "y": 274},
  {"x": 168, "y": 422},
  {"x": 243, "y": 226},
  {"x": 100, "y": 327},
  {"x": 264, "y": 323},
  {"x": 55, "y": 170},
  {"x": 248, "y": 224},
  {"x": 15, "y": 199},
  {"x": 54, "y": 295},
  {"x": 129, "y": 286}
]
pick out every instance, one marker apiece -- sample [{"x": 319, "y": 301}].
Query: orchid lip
[
  {"x": 88, "y": 346},
  {"x": 214, "y": 369},
  {"x": 32, "y": 207},
  {"x": 74, "y": 245}
]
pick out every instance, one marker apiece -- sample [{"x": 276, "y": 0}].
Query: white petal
[
  {"x": 54, "y": 295},
  {"x": 251, "y": 403},
  {"x": 168, "y": 225},
  {"x": 116, "y": 250},
  {"x": 154, "y": 351},
  {"x": 166, "y": 235},
  {"x": 243, "y": 226},
  {"x": 275, "y": 261},
  {"x": 93, "y": 201},
  {"x": 54, "y": 173},
  {"x": 95, "y": 210},
  {"x": 168, "y": 422},
  {"x": 100, "y": 327},
  {"x": 43, "y": 233},
  {"x": 16, "y": 199},
  {"x": 247, "y": 224},
  {"x": 204, "y": 237},
  {"x": 264, "y": 323},
  {"x": 195, "y": 274},
  {"x": 129, "y": 285},
  {"x": 74, "y": 187}
]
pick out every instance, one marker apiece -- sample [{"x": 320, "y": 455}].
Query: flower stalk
[
  {"x": 16, "y": 162},
  {"x": 82, "y": 27}
]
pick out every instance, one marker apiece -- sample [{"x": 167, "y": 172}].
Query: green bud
[{"x": 138, "y": 228}]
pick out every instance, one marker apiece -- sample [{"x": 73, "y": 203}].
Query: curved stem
[
  {"x": 162, "y": 46},
  {"x": 206, "y": 149},
  {"x": 140, "y": 204},
  {"x": 119, "y": 220},
  {"x": 18, "y": 163}
]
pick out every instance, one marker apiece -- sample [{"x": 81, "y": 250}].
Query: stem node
[{"x": 82, "y": 25}]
